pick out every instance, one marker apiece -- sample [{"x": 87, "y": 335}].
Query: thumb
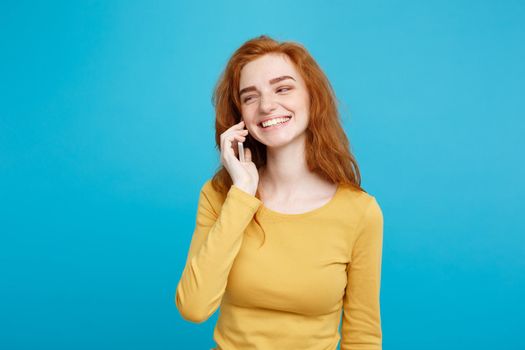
[{"x": 247, "y": 155}]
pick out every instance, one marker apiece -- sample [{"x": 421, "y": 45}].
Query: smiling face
[{"x": 272, "y": 89}]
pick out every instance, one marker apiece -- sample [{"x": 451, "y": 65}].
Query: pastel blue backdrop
[{"x": 106, "y": 136}]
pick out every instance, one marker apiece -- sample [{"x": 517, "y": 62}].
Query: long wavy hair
[{"x": 327, "y": 148}]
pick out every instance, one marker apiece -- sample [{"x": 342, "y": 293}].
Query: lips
[{"x": 274, "y": 117}]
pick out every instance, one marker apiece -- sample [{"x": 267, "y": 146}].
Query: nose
[{"x": 267, "y": 104}]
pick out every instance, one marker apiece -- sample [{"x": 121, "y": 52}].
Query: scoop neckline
[{"x": 272, "y": 213}]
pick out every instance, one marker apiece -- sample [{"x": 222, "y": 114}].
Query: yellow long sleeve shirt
[{"x": 290, "y": 292}]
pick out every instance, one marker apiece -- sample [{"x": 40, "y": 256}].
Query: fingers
[
  {"x": 235, "y": 134},
  {"x": 240, "y": 138},
  {"x": 239, "y": 125},
  {"x": 236, "y": 129},
  {"x": 231, "y": 137},
  {"x": 237, "y": 137}
]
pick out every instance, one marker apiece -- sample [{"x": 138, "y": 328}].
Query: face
[{"x": 270, "y": 88}]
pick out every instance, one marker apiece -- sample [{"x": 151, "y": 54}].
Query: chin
[{"x": 277, "y": 143}]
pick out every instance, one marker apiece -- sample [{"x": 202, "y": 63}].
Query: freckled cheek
[{"x": 249, "y": 119}]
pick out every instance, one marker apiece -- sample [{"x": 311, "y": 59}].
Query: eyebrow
[{"x": 272, "y": 81}]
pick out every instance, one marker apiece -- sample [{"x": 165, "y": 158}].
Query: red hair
[{"x": 327, "y": 148}]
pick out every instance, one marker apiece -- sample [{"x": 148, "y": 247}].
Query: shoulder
[
  {"x": 359, "y": 200},
  {"x": 363, "y": 205},
  {"x": 209, "y": 195},
  {"x": 207, "y": 188}
]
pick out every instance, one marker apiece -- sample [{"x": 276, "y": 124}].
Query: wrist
[{"x": 245, "y": 188}]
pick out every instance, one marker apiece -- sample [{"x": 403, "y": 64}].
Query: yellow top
[{"x": 288, "y": 293}]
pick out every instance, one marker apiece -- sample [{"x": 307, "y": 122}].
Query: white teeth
[{"x": 275, "y": 121}]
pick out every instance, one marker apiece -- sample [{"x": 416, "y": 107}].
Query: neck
[{"x": 286, "y": 174}]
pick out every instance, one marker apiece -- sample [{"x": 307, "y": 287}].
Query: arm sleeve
[
  {"x": 215, "y": 243},
  {"x": 361, "y": 324}
]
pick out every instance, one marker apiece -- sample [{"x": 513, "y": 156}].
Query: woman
[{"x": 286, "y": 242}]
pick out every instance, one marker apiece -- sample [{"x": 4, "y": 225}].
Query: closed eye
[{"x": 282, "y": 89}]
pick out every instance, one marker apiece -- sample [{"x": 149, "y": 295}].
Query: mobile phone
[{"x": 241, "y": 151}]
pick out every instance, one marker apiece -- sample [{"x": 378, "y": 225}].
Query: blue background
[{"x": 106, "y": 136}]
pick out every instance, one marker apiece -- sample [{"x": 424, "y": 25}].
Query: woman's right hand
[{"x": 243, "y": 174}]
